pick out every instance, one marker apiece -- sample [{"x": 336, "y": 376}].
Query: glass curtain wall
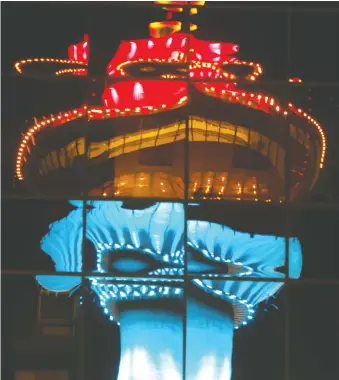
[{"x": 178, "y": 225}]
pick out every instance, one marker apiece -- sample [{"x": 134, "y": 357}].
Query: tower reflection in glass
[{"x": 149, "y": 242}]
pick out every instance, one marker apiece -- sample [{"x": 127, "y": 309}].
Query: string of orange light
[{"x": 104, "y": 113}]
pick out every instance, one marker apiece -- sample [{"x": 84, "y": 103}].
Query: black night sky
[{"x": 308, "y": 49}]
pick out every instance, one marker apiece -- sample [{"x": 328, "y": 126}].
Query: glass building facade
[{"x": 170, "y": 191}]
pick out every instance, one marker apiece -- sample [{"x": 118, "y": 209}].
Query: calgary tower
[{"x": 181, "y": 125}]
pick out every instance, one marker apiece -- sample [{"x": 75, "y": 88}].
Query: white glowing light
[
  {"x": 142, "y": 366},
  {"x": 216, "y": 48},
  {"x": 169, "y": 369},
  {"x": 175, "y": 54},
  {"x": 207, "y": 368},
  {"x": 115, "y": 95},
  {"x": 75, "y": 53},
  {"x": 132, "y": 51},
  {"x": 226, "y": 372},
  {"x": 138, "y": 91}
]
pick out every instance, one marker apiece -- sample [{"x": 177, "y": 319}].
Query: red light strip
[
  {"x": 51, "y": 121},
  {"x": 142, "y": 97},
  {"x": 295, "y": 80},
  {"x": 171, "y": 49},
  {"x": 80, "y": 72},
  {"x": 79, "y": 52},
  {"x": 18, "y": 65},
  {"x": 257, "y": 69},
  {"x": 77, "y": 55},
  {"x": 254, "y": 100},
  {"x": 301, "y": 113},
  {"x": 195, "y": 3}
]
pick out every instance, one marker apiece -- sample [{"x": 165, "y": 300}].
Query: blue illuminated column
[
  {"x": 209, "y": 341},
  {"x": 151, "y": 343},
  {"x": 150, "y": 310}
]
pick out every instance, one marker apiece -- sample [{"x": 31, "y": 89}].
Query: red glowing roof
[
  {"x": 176, "y": 56},
  {"x": 79, "y": 52}
]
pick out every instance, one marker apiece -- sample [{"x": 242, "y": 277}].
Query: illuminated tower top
[
  {"x": 206, "y": 77},
  {"x": 170, "y": 26}
]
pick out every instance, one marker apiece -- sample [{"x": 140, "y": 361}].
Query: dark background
[{"x": 304, "y": 44}]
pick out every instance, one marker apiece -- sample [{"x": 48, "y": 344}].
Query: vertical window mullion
[{"x": 186, "y": 29}]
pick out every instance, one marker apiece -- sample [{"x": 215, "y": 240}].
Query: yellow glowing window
[
  {"x": 197, "y": 129},
  {"x": 207, "y": 182},
  {"x": 141, "y": 191},
  {"x": 124, "y": 180},
  {"x": 152, "y": 134},
  {"x": 71, "y": 151},
  {"x": 197, "y": 135},
  {"x": 55, "y": 159},
  {"x": 250, "y": 187},
  {"x": 115, "y": 147},
  {"x": 178, "y": 186},
  {"x": 133, "y": 139},
  {"x": 212, "y": 130},
  {"x": 254, "y": 139},
  {"x": 181, "y": 132},
  {"x": 142, "y": 177},
  {"x": 242, "y": 136},
  {"x": 142, "y": 183},
  {"x": 81, "y": 146},
  {"x": 221, "y": 178},
  {"x": 234, "y": 188},
  {"x": 161, "y": 186},
  {"x": 148, "y": 139},
  {"x": 115, "y": 143},
  {"x": 227, "y": 132},
  {"x": 198, "y": 124},
  {"x": 132, "y": 142},
  {"x": 124, "y": 184},
  {"x": 195, "y": 182},
  {"x": 97, "y": 148},
  {"x": 220, "y": 183},
  {"x": 117, "y": 151},
  {"x": 171, "y": 129},
  {"x": 129, "y": 148},
  {"x": 166, "y": 135}
]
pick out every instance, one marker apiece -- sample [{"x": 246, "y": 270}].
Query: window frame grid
[{"x": 287, "y": 206}]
